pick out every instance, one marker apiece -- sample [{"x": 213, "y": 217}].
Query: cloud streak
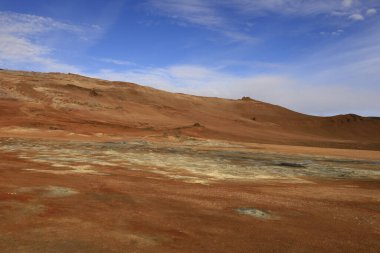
[
  {"x": 212, "y": 14},
  {"x": 356, "y": 17},
  {"x": 299, "y": 7},
  {"x": 371, "y": 12},
  {"x": 22, "y": 46},
  {"x": 193, "y": 11},
  {"x": 200, "y": 13},
  {"x": 26, "y": 24},
  {"x": 117, "y": 62}
]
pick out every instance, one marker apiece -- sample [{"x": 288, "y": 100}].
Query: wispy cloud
[
  {"x": 117, "y": 62},
  {"x": 26, "y": 24},
  {"x": 297, "y": 7},
  {"x": 16, "y": 51},
  {"x": 212, "y": 14},
  {"x": 352, "y": 61},
  {"x": 201, "y": 13},
  {"x": 286, "y": 7},
  {"x": 193, "y": 11},
  {"x": 371, "y": 12},
  {"x": 22, "y": 39},
  {"x": 347, "y": 3},
  {"x": 356, "y": 17}
]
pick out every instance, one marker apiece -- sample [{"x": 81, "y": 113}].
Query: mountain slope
[{"x": 68, "y": 106}]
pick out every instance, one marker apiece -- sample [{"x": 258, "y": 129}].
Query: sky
[{"x": 319, "y": 57}]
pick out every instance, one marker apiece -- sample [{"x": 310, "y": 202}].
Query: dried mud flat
[{"x": 188, "y": 196}]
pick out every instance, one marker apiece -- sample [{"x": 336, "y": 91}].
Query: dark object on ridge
[
  {"x": 93, "y": 93},
  {"x": 246, "y": 99},
  {"x": 197, "y": 125}
]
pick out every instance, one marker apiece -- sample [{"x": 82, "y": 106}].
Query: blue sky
[{"x": 314, "y": 56}]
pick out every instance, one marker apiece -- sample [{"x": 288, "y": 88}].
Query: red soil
[
  {"x": 132, "y": 211},
  {"x": 127, "y": 210},
  {"x": 60, "y": 104}
]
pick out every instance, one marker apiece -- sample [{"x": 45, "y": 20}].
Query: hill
[{"x": 56, "y": 105}]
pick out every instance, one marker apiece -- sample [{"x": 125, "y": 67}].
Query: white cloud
[
  {"x": 333, "y": 33},
  {"x": 347, "y": 3},
  {"x": 356, "y": 17},
  {"x": 193, "y": 11},
  {"x": 292, "y": 7},
  {"x": 189, "y": 72},
  {"x": 207, "y": 12},
  {"x": 116, "y": 61},
  {"x": 17, "y": 52},
  {"x": 212, "y": 14},
  {"x": 24, "y": 24},
  {"x": 351, "y": 64},
  {"x": 16, "y": 48},
  {"x": 23, "y": 41},
  {"x": 201, "y": 13},
  {"x": 371, "y": 12}
]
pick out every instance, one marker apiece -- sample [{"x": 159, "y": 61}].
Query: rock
[
  {"x": 246, "y": 99},
  {"x": 93, "y": 93}
]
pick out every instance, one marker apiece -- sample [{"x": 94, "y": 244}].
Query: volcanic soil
[{"x": 88, "y": 165}]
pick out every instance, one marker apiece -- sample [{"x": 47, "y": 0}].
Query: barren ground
[
  {"x": 194, "y": 195},
  {"x": 88, "y": 165}
]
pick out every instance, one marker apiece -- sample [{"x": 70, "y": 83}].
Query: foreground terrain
[
  {"x": 184, "y": 196},
  {"x": 88, "y": 165}
]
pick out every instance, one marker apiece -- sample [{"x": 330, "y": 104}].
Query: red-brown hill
[{"x": 68, "y": 105}]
